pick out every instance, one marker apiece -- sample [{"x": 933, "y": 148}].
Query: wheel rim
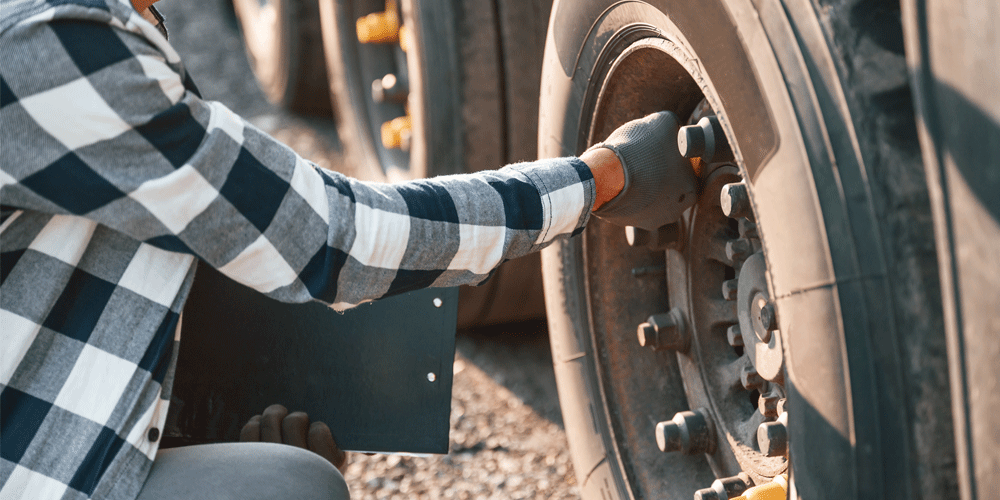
[
  {"x": 374, "y": 61},
  {"x": 724, "y": 286},
  {"x": 649, "y": 73}
]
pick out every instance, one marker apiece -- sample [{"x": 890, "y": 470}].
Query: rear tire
[
  {"x": 473, "y": 101},
  {"x": 285, "y": 48},
  {"x": 827, "y": 147}
]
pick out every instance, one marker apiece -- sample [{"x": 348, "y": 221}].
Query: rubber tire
[
  {"x": 459, "y": 103},
  {"x": 865, "y": 357},
  {"x": 501, "y": 75},
  {"x": 952, "y": 45},
  {"x": 479, "y": 64},
  {"x": 286, "y": 53}
]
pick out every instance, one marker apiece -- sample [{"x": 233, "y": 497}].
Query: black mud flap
[{"x": 380, "y": 375}]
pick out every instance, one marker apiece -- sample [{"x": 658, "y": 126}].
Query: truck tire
[
  {"x": 462, "y": 75},
  {"x": 814, "y": 100},
  {"x": 951, "y": 45},
  {"x": 285, "y": 48}
]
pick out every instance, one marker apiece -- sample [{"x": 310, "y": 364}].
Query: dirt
[{"x": 507, "y": 438}]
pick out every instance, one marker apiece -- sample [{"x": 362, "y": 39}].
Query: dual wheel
[
  {"x": 420, "y": 89},
  {"x": 787, "y": 331},
  {"x": 285, "y": 50}
]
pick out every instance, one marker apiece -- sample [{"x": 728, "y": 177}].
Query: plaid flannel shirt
[{"x": 116, "y": 177}]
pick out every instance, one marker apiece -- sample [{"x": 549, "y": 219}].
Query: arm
[
  {"x": 132, "y": 147},
  {"x": 609, "y": 177}
]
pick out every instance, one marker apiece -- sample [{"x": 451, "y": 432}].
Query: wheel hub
[
  {"x": 717, "y": 276},
  {"x": 727, "y": 399}
]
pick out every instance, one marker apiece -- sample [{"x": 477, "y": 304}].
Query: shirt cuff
[{"x": 567, "y": 192}]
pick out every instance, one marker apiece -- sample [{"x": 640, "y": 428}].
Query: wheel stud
[
  {"x": 724, "y": 488},
  {"x": 659, "y": 239},
  {"x": 734, "y": 336},
  {"x": 748, "y": 229},
  {"x": 738, "y": 250},
  {"x": 729, "y": 289},
  {"x": 735, "y": 200},
  {"x": 664, "y": 332},
  {"x": 749, "y": 378},
  {"x": 389, "y": 88},
  {"x": 782, "y": 406},
  {"x": 769, "y": 320},
  {"x": 772, "y": 437},
  {"x": 767, "y": 404},
  {"x": 689, "y": 432},
  {"x": 705, "y": 140}
]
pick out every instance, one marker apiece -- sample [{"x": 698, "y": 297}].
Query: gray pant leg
[{"x": 244, "y": 471}]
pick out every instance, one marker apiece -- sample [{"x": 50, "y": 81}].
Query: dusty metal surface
[{"x": 720, "y": 373}]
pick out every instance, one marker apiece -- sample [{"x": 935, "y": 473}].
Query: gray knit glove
[{"x": 659, "y": 183}]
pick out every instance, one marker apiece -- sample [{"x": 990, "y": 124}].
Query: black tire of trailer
[
  {"x": 477, "y": 69},
  {"x": 284, "y": 45},
  {"x": 474, "y": 68},
  {"x": 865, "y": 355},
  {"x": 952, "y": 47}
]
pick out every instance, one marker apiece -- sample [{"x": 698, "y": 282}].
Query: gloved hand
[
  {"x": 276, "y": 425},
  {"x": 659, "y": 183}
]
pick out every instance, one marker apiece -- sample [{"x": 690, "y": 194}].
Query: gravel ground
[{"x": 507, "y": 439}]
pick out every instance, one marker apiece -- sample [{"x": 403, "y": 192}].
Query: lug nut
[
  {"x": 664, "y": 332},
  {"x": 706, "y": 140},
  {"x": 767, "y": 404},
  {"x": 724, "y": 488},
  {"x": 782, "y": 406},
  {"x": 389, "y": 88},
  {"x": 735, "y": 200},
  {"x": 395, "y": 132},
  {"x": 772, "y": 437},
  {"x": 691, "y": 141},
  {"x": 659, "y": 239},
  {"x": 734, "y": 336},
  {"x": 748, "y": 229},
  {"x": 378, "y": 27},
  {"x": 729, "y": 288},
  {"x": 738, "y": 250},
  {"x": 689, "y": 432},
  {"x": 749, "y": 378}
]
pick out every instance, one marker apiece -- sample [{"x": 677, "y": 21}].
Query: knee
[
  {"x": 244, "y": 470},
  {"x": 298, "y": 472}
]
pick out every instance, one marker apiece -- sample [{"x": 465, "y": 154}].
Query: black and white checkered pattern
[{"x": 116, "y": 177}]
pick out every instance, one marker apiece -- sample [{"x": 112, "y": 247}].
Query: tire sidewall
[
  {"x": 814, "y": 234},
  {"x": 270, "y": 62}
]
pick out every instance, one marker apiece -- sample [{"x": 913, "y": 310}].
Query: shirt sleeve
[{"x": 100, "y": 121}]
